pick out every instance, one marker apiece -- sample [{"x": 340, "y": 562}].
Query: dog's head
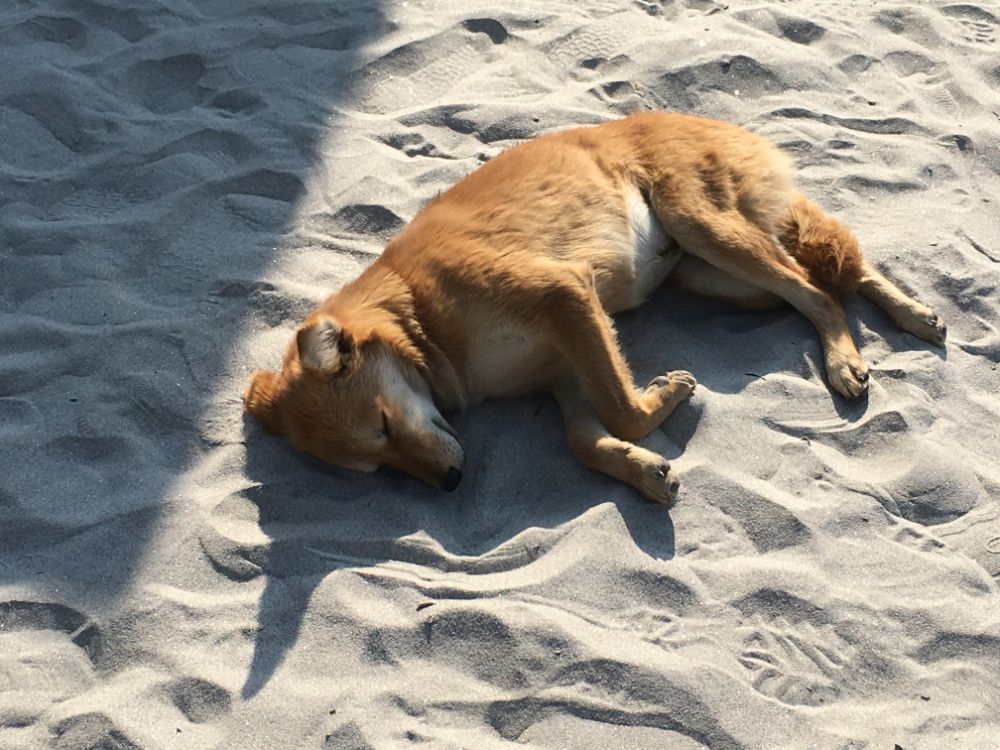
[{"x": 351, "y": 396}]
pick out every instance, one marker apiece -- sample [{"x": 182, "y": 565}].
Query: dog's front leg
[
  {"x": 590, "y": 441},
  {"x": 589, "y": 344}
]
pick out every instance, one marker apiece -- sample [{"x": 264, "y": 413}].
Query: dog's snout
[
  {"x": 452, "y": 478},
  {"x": 444, "y": 427}
]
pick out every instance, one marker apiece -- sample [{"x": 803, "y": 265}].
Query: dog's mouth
[
  {"x": 453, "y": 474},
  {"x": 445, "y": 427},
  {"x": 435, "y": 455}
]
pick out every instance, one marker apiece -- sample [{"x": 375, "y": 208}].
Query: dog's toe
[
  {"x": 940, "y": 330},
  {"x": 675, "y": 378},
  {"x": 927, "y": 326},
  {"x": 849, "y": 380},
  {"x": 659, "y": 484}
]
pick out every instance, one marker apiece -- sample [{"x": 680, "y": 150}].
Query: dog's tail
[{"x": 823, "y": 246}]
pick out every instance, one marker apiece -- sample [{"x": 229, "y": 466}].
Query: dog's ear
[
  {"x": 325, "y": 347},
  {"x": 261, "y": 397}
]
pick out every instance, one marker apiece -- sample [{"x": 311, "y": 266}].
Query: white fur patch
[
  {"x": 652, "y": 261},
  {"x": 419, "y": 416},
  {"x": 418, "y": 408},
  {"x": 318, "y": 345}
]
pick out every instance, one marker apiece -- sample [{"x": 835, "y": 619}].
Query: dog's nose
[{"x": 451, "y": 479}]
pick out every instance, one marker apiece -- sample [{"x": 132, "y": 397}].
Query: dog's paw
[
  {"x": 849, "y": 377},
  {"x": 658, "y": 483},
  {"x": 676, "y": 382},
  {"x": 929, "y": 327},
  {"x": 650, "y": 473}
]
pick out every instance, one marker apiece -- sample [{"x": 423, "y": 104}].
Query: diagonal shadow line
[
  {"x": 282, "y": 608},
  {"x": 184, "y": 141},
  {"x": 291, "y": 574}
]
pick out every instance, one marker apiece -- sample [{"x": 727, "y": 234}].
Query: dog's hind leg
[
  {"x": 831, "y": 256},
  {"x": 728, "y": 240},
  {"x": 694, "y": 275},
  {"x": 590, "y": 442},
  {"x": 907, "y": 313}
]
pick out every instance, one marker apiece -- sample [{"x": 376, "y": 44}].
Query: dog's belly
[
  {"x": 630, "y": 261},
  {"x": 508, "y": 361},
  {"x": 645, "y": 257}
]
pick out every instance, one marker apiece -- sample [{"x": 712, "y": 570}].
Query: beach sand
[{"x": 180, "y": 182}]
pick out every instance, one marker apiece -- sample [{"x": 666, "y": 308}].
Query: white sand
[{"x": 180, "y": 181}]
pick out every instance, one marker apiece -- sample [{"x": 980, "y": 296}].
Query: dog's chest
[{"x": 507, "y": 360}]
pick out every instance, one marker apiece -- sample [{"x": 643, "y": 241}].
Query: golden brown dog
[{"x": 504, "y": 284}]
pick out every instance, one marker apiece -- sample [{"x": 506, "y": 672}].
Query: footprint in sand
[
  {"x": 910, "y": 23},
  {"x": 47, "y": 655},
  {"x": 347, "y": 736},
  {"x": 94, "y": 731},
  {"x": 367, "y": 220},
  {"x": 797, "y": 29},
  {"x": 169, "y": 85},
  {"x": 975, "y": 25},
  {"x": 656, "y": 8},
  {"x": 917, "y": 539},
  {"x": 976, "y": 535},
  {"x": 798, "y": 665},
  {"x": 933, "y": 77},
  {"x": 198, "y": 700},
  {"x": 414, "y": 144},
  {"x": 592, "y": 42},
  {"x": 422, "y": 71},
  {"x": 55, "y": 29}
]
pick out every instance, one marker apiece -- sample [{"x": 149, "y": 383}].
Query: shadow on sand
[
  {"x": 522, "y": 489},
  {"x": 523, "y": 492}
]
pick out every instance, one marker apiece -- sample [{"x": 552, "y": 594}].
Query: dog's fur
[{"x": 504, "y": 284}]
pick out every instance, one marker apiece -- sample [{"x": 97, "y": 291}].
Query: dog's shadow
[
  {"x": 522, "y": 490},
  {"x": 522, "y": 493},
  {"x": 728, "y": 348}
]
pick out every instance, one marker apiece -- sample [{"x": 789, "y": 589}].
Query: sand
[{"x": 181, "y": 181}]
